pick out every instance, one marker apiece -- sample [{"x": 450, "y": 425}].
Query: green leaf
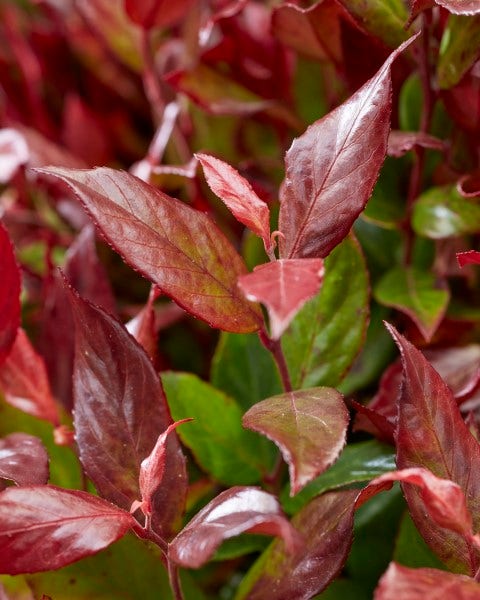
[
  {"x": 327, "y": 333},
  {"x": 417, "y": 294},
  {"x": 358, "y": 463},
  {"x": 344, "y": 589},
  {"x": 231, "y": 454},
  {"x": 442, "y": 212},
  {"x": 459, "y": 49},
  {"x": 411, "y": 97},
  {"x": 241, "y": 545},
  {"x": 244, "y": 369},
  {"x": 386, "y": 205},
  {"x": 410, "y": 548}
]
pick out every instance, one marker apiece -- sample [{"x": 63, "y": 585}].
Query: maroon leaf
[
  {"x": 309, "y": 427},
  {"x": 326, "y": 525},
  {"x": 9, "y": 294},
  {"x": 44, "y": 527},
  {"x": 400, "y": 142},
  {"x": 159, "y": 13},
  {"x": 120, "y": 410},
  {"x": 143, "y": 327},
  {"x": 416, "y": 7},
  {"x": 24, "y": 381},
  {"x": 13, "y": 153},
  {"x": 235, "y": 511},
  {"x": 283, "y": 286},
  {"x": 428, "y": 421},
  {"x": 469, "y": 185},
  {"x": 176, "y": 247},
  {"x": 332, "y": 168},
  {"x": 471, "y": 257},
  {"x": 23, "y": 459},
  {"x": 239, "y": 196},
  {"x": 418, "y": 584},
  {"x": 461, "y": 7}
]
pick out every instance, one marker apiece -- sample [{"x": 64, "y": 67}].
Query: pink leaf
[
  {"x": 331, "y": 169},
  {"x": 235, "y": 191},
  {"x": 428, "y": 421},
  {"x": 24, "y": 381},
  {"x": 309, "y": 427},
  {"x": 400, "y": 142},
  {"x": 23, "y": 459},
  {"x": 152, "y": 468},
  {"x": 283, "y": 286},
  {"x": 44, "y": 527},
  {"x": 176, "y": 247},
  {"x": 235, "y": 511},
  {"x": 400, "y": 582},
  {"x": 471, "y": 257},
  {"x": 13, "y": 153},
  {"x": 9, "y": 294},
  {"x": 120, "y": 410},
  {"x": 461, "y": 7}
]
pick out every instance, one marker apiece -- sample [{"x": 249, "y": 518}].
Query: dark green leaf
[
  {"x": 386, "y": 205},
  {"x": 241, "y": 545},
  {"x": 410, "y": 548}
]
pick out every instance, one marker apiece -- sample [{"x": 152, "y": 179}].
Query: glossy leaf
[
  {"x": 156, "y": 13},
  {"x": 46, "y": 527},
  {"x": 461, "y": 7},
  {"x": 471, "y": 257},
  {"x": 13, "y": 153},
  {"x": 416, "y": 293},
  {"x": 176, "y": 247},
  {"x": 239, "y": 196},
  {"x": 216, "y": 437},
  {"x": 428, "y": 418},
  {"x": 327, "y": 333},
  {"x": 458, "y": 49},
  {"x": 330, "y": 175},
  {"x": 235, "y": 511},
  {"x": 23, "y": 459},
  {"x": 326, "y": 525},
  {"x": 418, "y": 584},
  {"x": 400, "y": 142},
  {"x": 120, "y": 410},
  {"x": 308, "y": 426},
  {"x": 24, "y": 381},
  {"x": 283, "y": 286},
  {"x": 9, "y": 294}
]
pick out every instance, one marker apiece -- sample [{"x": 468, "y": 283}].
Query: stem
[
  {"x": 275, "y": 347},
  {"x": 174, "y": 578}
]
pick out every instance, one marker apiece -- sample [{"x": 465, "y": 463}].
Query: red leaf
[
  {"x": 23, "y": 459},
  {"x": 309, "y": 427},
  {"x": 235, "y": 511},
  {"x": 156, "y": 13},
  {"x": 120, "y": 410},
  {"x": 24, "y": 381},
  {"x": 13, "y": 153},
  {"x": 400, "y": 142},
  {"x": 283, "y": 286},
  {"x": 469, "y": 185},
  {"x": 444, "y": 500},
  {"x": 400, "y": 582},
  {"x": 9, "y": 294},
  {"x": 428, "y": 421},
  {"x": 416, "y": 7},
  {"x": 176, "y": 247},
  {"x": 239, "y": 196},
  {"x": 44, "y": 527},
  {"x": 332, "y": 168},
  {"x": 461, "y": 7},
  {"x": 152, "y": 468},
  {"x": 471, "y": 257},
  {"x": 143, "y": 327},
  {"x": 326, "y": 525}
]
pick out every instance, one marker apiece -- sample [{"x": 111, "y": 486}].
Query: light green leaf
[{"x": 459, "y": 49}]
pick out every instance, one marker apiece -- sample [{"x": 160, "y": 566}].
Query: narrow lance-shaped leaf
[
  {"x": 175, "y": 246},
  {"x": 238, "y": 195},
  {"x": 23, "y": 459},
  {"x": 45, "y": 527},
  {"x": 120, "y": 410},
  {"x": 235, "y": 511},
  {"x": 283, "y": 286},
  {"x": 9, "y": 294},
  {"x": 308, "y": 426},
  {"x": 428, "y": 421},
  {"x": 331, "y": 169}
]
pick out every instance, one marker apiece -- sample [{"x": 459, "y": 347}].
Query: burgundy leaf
[
  {"x": 152, "y": 468},
  {"x": 235, "y": 511},
  {"x": 332, "y": 168},
  {"x": 9, "y": 294},
  {"x": 283, "y": 286},
  {"x": 416, "y": 7},
  {"x": 469, "y": 185},
  {"x": 13, "y": 153},
  {"x": 44, "y": 527},
  {"x": 461, "y": 7},
  {"x": 373, "y": 421},
  {"x": 400, "y": 142},
  {"x": 24, "y": 381},
  {"x": 471, "y": 257},
  {"x": 120, "y": 410},
  {"x": 326, "y": 525},
  {"x": 444, "y": 500},
  {"x": 428, "y": 421},
  {"x": 418, "y": 584},
  {"x": 156, "y": 13},
  {"x": 176, "y": 247},
  {"x": 23, "y": 459},
  {"x": 143, "y": 327},
  {"x": 239, "y": 196},
  {"x": 309, "y": 427}
]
